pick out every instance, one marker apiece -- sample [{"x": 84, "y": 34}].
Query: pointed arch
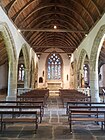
[
  {"x": 94, "y": 56},
  {"x": 26, "y": 56},
  {"x": 12, "y": 59},
  {"x": 9, "y": 42},
  {"x": 26, "y": 63},
  {"x": 96, "y": 48},
  {"x": 81, "y": 58},
  {"x": 82, "y": 69}
]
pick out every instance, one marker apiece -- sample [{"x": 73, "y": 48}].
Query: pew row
[
  {"x": 37, "y": 106},
  {"x": 17, "y": 116},
  {"x": 86, "y": 116},
  {"x": 73, "y": 95}
]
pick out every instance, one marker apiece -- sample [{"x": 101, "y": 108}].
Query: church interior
[{"x": 52, "y": 69}]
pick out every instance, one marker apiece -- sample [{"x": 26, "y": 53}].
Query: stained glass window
[
  {"x": 21, "y": 72},
  {"x": 54, "y": 64}
]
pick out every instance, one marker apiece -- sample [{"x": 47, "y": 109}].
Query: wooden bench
[
  {"x": 34, "y": 95},
  {"x": 7, "y": 117},
  {"x": 73, "y": 103},
  {"x": 38, "y": 106},
  {"x": 33, "y": 98},
  {"x": 73, "y": 95},
  {"x": 86, "y": 115}
]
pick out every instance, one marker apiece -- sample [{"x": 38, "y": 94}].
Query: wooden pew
[
  {"x": 85, "y": 115},
  {"x": 73, "y": 95},
  {"x": 38, "y": 106},
  {"x": 34, "y": 95},
  {"x": 86, "y": 111},
  {"x": 74, "y": 103},
  {"x": 7, "y": 117}
]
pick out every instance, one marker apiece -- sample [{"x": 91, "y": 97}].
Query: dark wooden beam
[
  {"x": 53, "y": 30},
  {"x": 52, "y": 52},
  {"x": 52, "y": 47}
]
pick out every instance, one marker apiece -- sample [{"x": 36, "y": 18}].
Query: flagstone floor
[{"x": 54, "y": 126}]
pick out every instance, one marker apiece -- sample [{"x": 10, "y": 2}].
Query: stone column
[
  {"x": 12, "y": 81},
  {"x": 33, "y": 79},
  {"x": 94, "y": 86},
  {"x": 26, "y": 79}
]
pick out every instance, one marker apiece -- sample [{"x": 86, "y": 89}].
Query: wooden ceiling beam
[
  {"x": 10, "y": 4},
  {"x": 45, "y": 5},
  {"x": 63, "y": 37},
  {"x": 62, "y": 25},
  {"x": 84, "y": 8},
  {"x": 23, "y": 8},
  {"x": 53, "y": 30},
  {"x": 52, "y": 52},
  {"x": 52, "y": 46},
  {"x": 96, "y": 6},
  {"x": 69, "y": 17}
]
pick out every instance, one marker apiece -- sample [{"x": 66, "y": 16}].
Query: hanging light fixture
[{"x": 55, "y": 27}]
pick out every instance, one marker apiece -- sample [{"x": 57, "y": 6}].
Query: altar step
[{"x": 53, "y": 93}]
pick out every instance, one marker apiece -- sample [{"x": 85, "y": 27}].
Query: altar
[{"x": 54, "y": 85}]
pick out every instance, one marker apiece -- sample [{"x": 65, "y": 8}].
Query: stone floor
[{"x": 54, "y": 126}]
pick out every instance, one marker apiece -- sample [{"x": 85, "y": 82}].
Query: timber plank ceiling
[{"x": 36, "y": 20}]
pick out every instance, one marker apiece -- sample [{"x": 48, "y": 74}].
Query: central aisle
[{"x": 54, "y": 112}]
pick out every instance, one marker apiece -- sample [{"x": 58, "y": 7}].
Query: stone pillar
[
  {"x": 12, "y": 82},
  {"x": 33, "y": 80},
  {"x": 27, "y": 77},
  {"x": 94, "y": 86}
]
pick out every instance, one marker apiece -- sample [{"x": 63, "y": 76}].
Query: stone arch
[
  {"x": 26, "y": 65},
  {"x": 96, "y": 48},
  {"x": 7, "y": 36},
  {"x": 95, "y": 51},
  {"x": 81, "y": 60},
  {"x": 26, "y": 56},
  {"x": 12, "y": 58}
]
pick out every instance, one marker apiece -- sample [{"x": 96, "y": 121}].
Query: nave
[{"x": 54, "y": 126}]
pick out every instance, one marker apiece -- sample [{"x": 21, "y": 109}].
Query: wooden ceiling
[{"x": 36, "y": 20}]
